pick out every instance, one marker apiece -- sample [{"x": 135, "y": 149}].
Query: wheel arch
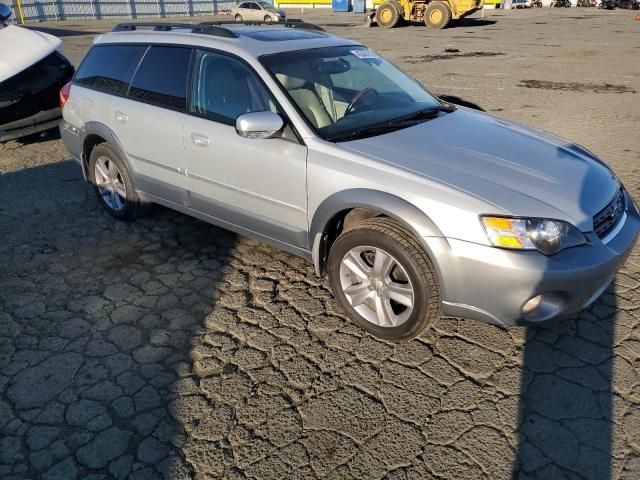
[
  {"x": 96, "y": 133},
  {"x": 329, "y": 220}
]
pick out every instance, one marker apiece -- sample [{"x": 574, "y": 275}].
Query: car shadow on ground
[
  {"x": 565, "y": 424},
  {"x": 475, "y": 22},
  {"x": 111, "y": 310}
]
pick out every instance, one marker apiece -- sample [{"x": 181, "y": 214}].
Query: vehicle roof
[{"x": 252, "y": 41}]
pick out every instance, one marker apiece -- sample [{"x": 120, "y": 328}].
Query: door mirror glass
[
  {"x": 259, "y": 124},
  {"x": 5, "y": 12}
]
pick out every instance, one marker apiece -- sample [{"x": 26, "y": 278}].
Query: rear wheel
[
  {"x": 114, "y": 184},
  {"x": 387, "y": 15},
  {"x": 437, "y": 15},
  {"x": 238, "y": 17},
  {"x": 384, "y": 280}
]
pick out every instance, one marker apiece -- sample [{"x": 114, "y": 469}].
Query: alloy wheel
[
  {"x": 110, "y": 184},
  {"x": 377, "y": 286}
]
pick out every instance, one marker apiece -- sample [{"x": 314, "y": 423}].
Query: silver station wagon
[{"x": 413, "y": 207}]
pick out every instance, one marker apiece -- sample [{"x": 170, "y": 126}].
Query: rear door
[{"x": 149, "y": 121}]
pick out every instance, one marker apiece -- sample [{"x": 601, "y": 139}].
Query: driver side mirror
[
  {"x": 5, "y": 12},
  {"x": 259, "y": 124}
]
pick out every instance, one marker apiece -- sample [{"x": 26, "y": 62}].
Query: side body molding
[{"x": 404, "y": 212}]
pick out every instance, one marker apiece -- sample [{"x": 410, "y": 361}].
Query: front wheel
[
  {"x": 437, "y": 15},
  {"x": 384, "y": 280},
  {"x": 267, "y": 18}
]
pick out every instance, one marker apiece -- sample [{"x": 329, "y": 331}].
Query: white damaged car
[{"x": 32, "y": 72}]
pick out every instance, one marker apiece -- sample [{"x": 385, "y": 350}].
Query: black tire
[
  {"x": 387, "y": 15},
  {"x": 432, "y": 10},
  {"x": 238, "y": 17},
  {"x": 268, "y": 19},
  {"x": 390, "y": 236},
  {"x": 133, "y": 207}
]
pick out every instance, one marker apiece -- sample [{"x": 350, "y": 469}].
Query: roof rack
[
  {"x": 293, "y": 23},
  {"x": 167, "y": 27}
]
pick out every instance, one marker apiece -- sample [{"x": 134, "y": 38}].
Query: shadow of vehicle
[
  {"x": 566, "y": 400},
  {"x": 112, "y": 311},
  {"x": 474, "y": 22}
]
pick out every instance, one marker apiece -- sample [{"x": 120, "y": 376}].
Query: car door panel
[
  {"x": 257, "y": 183},
  {"x": 151, "y": 121},
  {"x": 246, "y": 175}
]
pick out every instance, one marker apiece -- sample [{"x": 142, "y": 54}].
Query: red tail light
[{"x": 64, "y": 94}]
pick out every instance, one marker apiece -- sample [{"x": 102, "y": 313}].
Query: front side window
[
  {"x": 109, "y": 68},
  {"x": 346, "y": 89},
  {"x": 224, "y": 88},
  {"x": 161, "y": 78}
]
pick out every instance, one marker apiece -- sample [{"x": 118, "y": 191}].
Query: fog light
[{"x": 532, "y": 304}]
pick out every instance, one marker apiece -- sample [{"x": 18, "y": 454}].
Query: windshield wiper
[
  {"x": 393, "y": 124},
  {"x": 365, "y": 132},
  {"x": 424, "y": 114}
]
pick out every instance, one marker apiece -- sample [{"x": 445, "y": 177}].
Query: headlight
[{"x": 546, "y": 236}]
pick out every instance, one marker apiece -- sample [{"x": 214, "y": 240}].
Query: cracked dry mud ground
[{"x": 168, "y": 348}]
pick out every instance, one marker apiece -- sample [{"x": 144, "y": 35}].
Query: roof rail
[
  {"x": 293, "y": 23},
  {"x": 167, "y": 27}
]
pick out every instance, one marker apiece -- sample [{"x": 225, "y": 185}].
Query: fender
[
  {"x": 395, "y": 207},
  {"x": 101, "y": 130}
]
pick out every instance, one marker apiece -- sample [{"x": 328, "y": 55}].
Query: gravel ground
[{"x": 168, "y": 348}]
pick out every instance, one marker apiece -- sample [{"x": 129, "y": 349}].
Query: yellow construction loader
[{"x": 434, "y": 13}]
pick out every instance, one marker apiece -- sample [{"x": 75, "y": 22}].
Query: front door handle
[
  {"x": 121, "y": 117},
  {"x": 199, "y": 140}
]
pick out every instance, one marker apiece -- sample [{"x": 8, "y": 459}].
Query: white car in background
[
  {"x": 32, "y": 72},
  {"x": 257, "y": 11}
]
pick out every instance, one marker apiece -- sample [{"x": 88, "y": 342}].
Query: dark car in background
[{"x": 32, "y": 72}]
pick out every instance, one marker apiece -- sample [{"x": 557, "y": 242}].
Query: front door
[{"x": 257, "y": 184}]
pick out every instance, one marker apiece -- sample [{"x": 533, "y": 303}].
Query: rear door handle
[
  {"x": 199, "y": 140},
  {"x": 121, "y": 117}
]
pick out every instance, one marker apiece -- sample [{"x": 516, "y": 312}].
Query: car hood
[
  {"x": 278, "y": 11},
  {"x": 20, "y": 48},
  {"x": 520, "y": 170}
]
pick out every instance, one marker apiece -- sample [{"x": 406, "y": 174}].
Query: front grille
[{"x": 606, "y": 219}]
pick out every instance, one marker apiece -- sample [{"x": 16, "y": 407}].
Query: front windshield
[
  {"x": 265, "y": 5},
  {"x": 345, "y": 89}
]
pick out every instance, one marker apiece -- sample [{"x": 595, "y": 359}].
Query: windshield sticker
[{"x": 365, "y": 54}]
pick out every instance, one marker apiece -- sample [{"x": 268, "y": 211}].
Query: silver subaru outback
[{"x": 413, "y": 207}]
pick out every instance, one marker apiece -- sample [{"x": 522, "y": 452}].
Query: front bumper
[
  {"x": 493, "y": 284},
  {"x": 39, "y": 122}
]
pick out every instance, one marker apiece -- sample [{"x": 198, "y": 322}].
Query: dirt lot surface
[{"x": 168, "y": 348}]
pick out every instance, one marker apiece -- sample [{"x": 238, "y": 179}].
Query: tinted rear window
[
  {"x": 162, "y": 77},
  {"x": 109, "y": 68}
]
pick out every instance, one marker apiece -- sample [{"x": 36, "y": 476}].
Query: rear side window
[
  {"x": 109, "y": 68},
  {"x": 161, "y": 78}
]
